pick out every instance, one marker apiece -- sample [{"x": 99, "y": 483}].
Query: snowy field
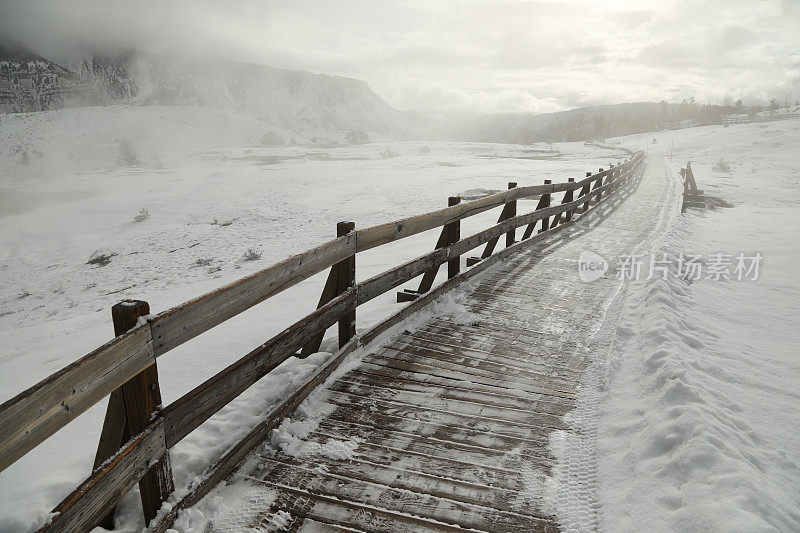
[
  {"x": 701, "y": 428},
  {"x": 211, "y": 193}
]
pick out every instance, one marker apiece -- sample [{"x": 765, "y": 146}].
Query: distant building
[{"x": 783, "y": 113}]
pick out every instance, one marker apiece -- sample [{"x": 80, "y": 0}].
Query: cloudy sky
[{"x": 461, "y": 55}]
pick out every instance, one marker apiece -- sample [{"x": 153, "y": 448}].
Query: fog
[
  {"x": 610, "y": 354},
  {"x": 456, "y": 56}
]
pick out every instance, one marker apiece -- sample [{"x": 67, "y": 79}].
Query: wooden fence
[
  {"x": 137, "y": 433},
  {"x": 692, "y": 196}
]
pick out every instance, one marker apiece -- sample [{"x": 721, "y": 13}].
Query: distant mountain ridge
[
  {"x": 302, "y": 106},
  {"x": 296, "y": 101}
]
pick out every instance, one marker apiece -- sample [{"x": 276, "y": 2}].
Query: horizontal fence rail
[{"x": 137, "y": 433}]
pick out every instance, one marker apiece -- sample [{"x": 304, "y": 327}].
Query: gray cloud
[{"x": 458, "y": 55}]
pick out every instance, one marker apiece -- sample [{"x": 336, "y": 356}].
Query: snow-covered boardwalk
[{"x": 450, "y": 424}]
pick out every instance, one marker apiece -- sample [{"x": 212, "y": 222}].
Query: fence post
[
  {"x": 449, "y": 231},
  {"x": 509, "y": 208},
  {"x": 685, "y": 190},
  {"x": 584, "y": 192},
  {"x": 544, "y": 203},
  {"x": 512, "y": 212},
  {"x": 568, "y": 197},
  {"x": 346, "y": 278},
  {"x": 339, "y": 280},
  {"x": 612, "y": 175},
  {"x": 453, "y": 235},
  {"x": 597, "y": 186},
  {"x": 130, "y": 409},
  {"x": 690, "y": 176}
]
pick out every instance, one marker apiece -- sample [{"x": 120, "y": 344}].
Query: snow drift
[{"x": 700, "y": 424}]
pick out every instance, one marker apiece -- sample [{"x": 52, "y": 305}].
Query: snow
[
  {"x": 212, "y": 192},
  {"x": 700, "y": 422},
  {"x": 224, "y": 509},
  {"x": 289, "y": 437},
  {"x": 698, "y": 426}
]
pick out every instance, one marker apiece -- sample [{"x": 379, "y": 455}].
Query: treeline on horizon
[{"x": 601, "y": 122}]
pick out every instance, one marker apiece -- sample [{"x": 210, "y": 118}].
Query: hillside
[
  {"x": 300, "y": 106},
  {"x": 595, "y": 122}
]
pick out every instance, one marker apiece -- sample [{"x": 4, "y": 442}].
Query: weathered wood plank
[
  {"x": 509, "y": 211},
  {"x": 195, "y": 407},
  {"x": 454, "y": 386},
  {"x": 439, "y": 406},
  {"x": 441, "y": 509},
  {"x": 394, "y": 277},
  {"x": 453, "y": 230},
  {"x": 138, "y": 399},
  {"x": 385, "y": 383},
  {"x": 474, "y": 494},
  {"x": 442, "y": 370},
  {"x": 352, "y": 515},
  {"x": 415, "y": 412},
  {"x": 35, "y": 414},
  {"x": 441, "y": 437},
  {"x": 429, "y": 276},
  {"x": 385, "y": 233},
  {"x": 542, "y": 352},
  {"x": 93, "y": 499},
  {"x": 346, "y": 280},
  {"x": 470, "y": 404},
  {"x": 329, "y": 292},
  {"x": 553, "y": 376},
  {"x": 544, "y": 202},
  {"x": 230, "y": 460},
  {"x": 184, "y": 322},
  {"x": 503, "y": 361},
  {"x": 542, "y": 344},
  {"x": 448, "y": 362},
  {"x": 444, "y": 450}
]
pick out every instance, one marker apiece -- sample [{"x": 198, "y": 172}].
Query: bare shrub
[
  {"x": 388, "y": 153},
  {"x": 204, "y": 261},
  {"x": 100, "y": 258},
  {"x": 721, "y": 166},
  {"x": 143, "y": 215},
  {"x": 251, "y": 255}
]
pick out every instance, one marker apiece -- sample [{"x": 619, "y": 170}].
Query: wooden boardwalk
[
  {"x": 446, "y": 424},
  {"x": 452, "y": 417}
]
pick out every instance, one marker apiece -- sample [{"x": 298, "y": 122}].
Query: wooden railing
[
  {"x": 137, "y": 433},
  {"x": 692, "y": 196}
]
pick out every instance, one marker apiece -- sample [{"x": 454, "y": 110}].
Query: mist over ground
[
  {"x": 161, "y": 150},
  {"x": 457, "y": 57}
]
